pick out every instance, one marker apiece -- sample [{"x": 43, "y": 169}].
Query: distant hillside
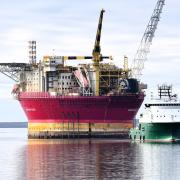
[{"x": 13, "y": 124}]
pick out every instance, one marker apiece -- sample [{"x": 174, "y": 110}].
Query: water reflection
[
  {"x": 24, "y": 159},
  {"x": 161, "y": 161},
  {"x": 83, "y": 159}
]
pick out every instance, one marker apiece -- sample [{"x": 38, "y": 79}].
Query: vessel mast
[
  {"x": 146, "y": 41},
  {"x": 32, "y": 52},
  {"x": 97, "y": 53}
]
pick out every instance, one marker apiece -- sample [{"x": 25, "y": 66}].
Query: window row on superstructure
[{"x": 163, "y": 104}]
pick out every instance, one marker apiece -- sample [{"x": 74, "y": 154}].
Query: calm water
[{"x": 96, "y": 159}]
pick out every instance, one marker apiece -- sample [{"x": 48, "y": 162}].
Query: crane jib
[{"x": 144, "y": 47}]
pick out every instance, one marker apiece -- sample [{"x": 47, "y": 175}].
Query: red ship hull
[{"x": 42, "y": 109}]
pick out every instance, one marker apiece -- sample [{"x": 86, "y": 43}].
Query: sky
[{"x": 64, "y": 27}]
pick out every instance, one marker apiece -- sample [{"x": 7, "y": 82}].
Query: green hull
[{"x": 156, "y": 132}]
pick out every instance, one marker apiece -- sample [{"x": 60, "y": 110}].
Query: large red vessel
[
  {"x": 69, "y": 116},
  {"x": 95, "y": 100}
]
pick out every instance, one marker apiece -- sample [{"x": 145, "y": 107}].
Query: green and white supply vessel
[{"x": 161, "y": 120}]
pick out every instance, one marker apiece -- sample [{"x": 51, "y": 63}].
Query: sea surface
[{"x": 22, "y": 159}]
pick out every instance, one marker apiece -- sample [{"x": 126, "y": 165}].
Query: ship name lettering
[
  {"x": 132, "y": 109},
  {"x": 30, "y": 109}
]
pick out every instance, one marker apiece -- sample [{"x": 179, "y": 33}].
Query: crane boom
[
  {"x": 144, "y": 47},
  {"x": 97, "y": 49},
  {"x": 12, "y": 70},
  {"x": 97, "y": 53}
]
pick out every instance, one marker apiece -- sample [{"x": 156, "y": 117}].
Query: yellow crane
[{"x": 97, "y": 53}]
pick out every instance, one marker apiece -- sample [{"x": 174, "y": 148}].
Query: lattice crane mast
[{"x": 146, "y": 41}]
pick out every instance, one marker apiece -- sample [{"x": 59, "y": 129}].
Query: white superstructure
[{"x": 165, "y": 109}]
